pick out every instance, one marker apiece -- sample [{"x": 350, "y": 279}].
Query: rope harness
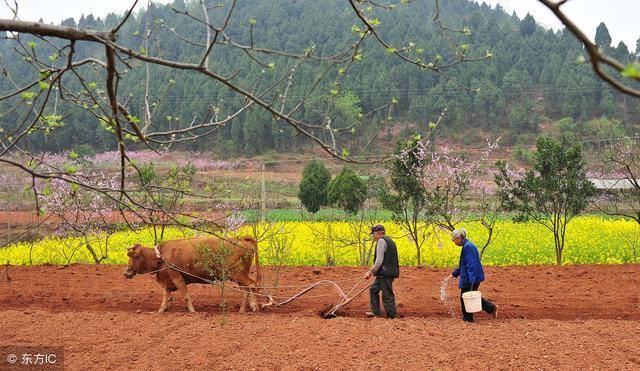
[
  {"x": 160, "y": 257},
  {"x": 175, "y": 267}
]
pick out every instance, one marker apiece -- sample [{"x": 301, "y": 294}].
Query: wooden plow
[{"x": 343, "y": 300}]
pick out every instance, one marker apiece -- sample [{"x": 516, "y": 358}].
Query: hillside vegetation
[{"x": 531, "y": 81}]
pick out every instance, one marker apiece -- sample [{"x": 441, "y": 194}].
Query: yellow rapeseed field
[{"x": 590, "y": 240}]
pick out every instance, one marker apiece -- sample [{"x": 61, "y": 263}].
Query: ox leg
[
  {"x": 251, "y": 293},
  {"x": 223, "y": 299},
  {"x": 178, "y": 281},
  {"x": 165, "y": 301},
  {"x": 248, "y": 287},
  {"x": 243, "y": 303}
]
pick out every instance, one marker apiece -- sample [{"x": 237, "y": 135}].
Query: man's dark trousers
[{"x": 384, "y": 284}]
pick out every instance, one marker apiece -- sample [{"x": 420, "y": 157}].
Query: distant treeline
[{"x": 533, "y": 76}]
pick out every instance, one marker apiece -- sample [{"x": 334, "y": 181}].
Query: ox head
[{"x": 136, "y": 261}]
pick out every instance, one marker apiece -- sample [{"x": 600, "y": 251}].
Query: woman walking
[{"x": 470, "y": 273}]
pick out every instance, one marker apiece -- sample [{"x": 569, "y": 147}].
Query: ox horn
[{"x": 132, "y": 247}]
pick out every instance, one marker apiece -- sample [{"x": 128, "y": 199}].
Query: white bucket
[{"x": 472, "y": 301}]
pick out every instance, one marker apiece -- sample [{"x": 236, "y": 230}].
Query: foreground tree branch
[
  {"x": 93, "y": 83},
  {"x": 597, "y": 56}
]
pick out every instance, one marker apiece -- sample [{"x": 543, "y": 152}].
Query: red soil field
[{"x": 550, "y": 317}]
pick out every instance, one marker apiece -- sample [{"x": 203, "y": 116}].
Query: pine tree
[{"x": 313, "y": 186}]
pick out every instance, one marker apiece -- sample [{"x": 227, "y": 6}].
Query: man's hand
[{"x": 367, "y": 275}]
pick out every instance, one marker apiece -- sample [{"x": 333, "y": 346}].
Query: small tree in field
[
  {"x": 80, "y": 213},
  {"x": 214, "y": 262},
  {"x": 327, "y": 237},
  {"x": 279, "y": 252},
  {"x": 166, "y": 191},
  {"x": 407, "y": 198},
  {"x": 621, "y": 168},
  {"x": 451, "y": 180},
  {"x": 430, "y": 190},
  {"x": 347, "y": 191},
  {"x": 621, "y": 165},
  {"x": 11, "y": 189},
  {"x": 313, "y": 186},
  {"x": 553, "y": 192}
]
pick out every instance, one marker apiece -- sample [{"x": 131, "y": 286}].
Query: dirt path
[{"x": 550, "y": 318}]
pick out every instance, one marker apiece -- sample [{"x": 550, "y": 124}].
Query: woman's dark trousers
[{"x": 487, "y": 306}]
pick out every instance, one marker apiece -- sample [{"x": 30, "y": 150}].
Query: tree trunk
[
  {"x": 558, "y": 248},
  {"x": 6, "y": 272},
  {"x": 92, "y": 251}
]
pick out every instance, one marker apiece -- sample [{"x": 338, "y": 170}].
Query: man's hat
[{"x": 377, "y": 228}]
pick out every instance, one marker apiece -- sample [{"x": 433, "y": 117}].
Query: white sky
[
  {"x": 620, "y": 16},
  {"x": 54, "y": 11}
]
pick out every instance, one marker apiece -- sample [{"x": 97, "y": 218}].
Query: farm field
[{"x": 551, "y": 317}]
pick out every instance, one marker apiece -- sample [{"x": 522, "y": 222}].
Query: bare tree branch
[
  {"x": 596, "y": 55},
  {"x": 97, "y": 91},
  {"x": 42, "y": 29}
]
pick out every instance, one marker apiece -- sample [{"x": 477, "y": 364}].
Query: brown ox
[{"x": 174, "y": 258}]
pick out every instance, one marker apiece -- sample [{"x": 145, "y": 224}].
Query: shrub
[
  {"x": 313, "y": 186},
  {"x": 347, "y": 191}
]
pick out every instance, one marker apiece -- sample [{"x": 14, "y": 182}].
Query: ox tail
[{"x": 254, "y": 242}]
